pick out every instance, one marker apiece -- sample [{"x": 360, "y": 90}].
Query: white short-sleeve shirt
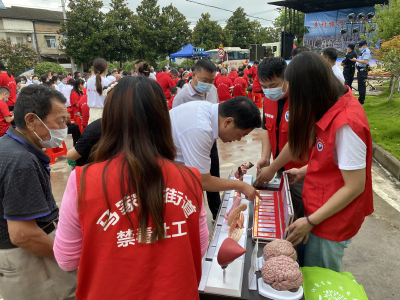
[
  {"x": 94, "y": 99},
  {"x": 338, "y": 73},
  {"x": 350, "y": 152},
  {"x": 195, "y": 129},
  {"x": 66, "y": 91}
]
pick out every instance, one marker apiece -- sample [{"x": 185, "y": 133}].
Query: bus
[{"x": 234, "y": 57}]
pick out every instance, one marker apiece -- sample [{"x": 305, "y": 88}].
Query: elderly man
[{"x": 29, "y": 213}]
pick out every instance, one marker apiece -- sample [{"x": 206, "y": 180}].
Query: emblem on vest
[
  {"x": 320, "y": 145},
  {"x": 287, "y": 116},
  {"x": 269, "y": 116}
]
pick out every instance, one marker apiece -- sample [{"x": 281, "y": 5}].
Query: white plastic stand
[
  {"x": 234, "y": 276},
  {"x": 264, "y": 289},
  {"x": 204, "y": 276}
]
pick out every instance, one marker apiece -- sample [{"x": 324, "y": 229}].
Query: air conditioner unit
[
  {"x": 29, "y": 39},
  {"x": 61, "y": 47}
]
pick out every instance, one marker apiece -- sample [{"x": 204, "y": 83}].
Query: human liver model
[
  {"x": 279, "y": 247},
  {"x": 282, "y": 273},
  {"x": 229, "y": 251},
  {"x": 242, "y": 170}
]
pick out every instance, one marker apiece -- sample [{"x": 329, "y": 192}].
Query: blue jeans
[{"x": 324, "y": 253}]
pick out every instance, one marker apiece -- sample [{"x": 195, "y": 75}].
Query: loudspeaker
[
  {"x": 287, "y": 45},
  {"x": 257, "y": 52}
]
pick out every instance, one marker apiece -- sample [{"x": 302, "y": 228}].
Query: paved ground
[{"x": 372, "y": 256}]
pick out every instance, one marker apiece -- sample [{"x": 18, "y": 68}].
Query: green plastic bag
[
  {"x": 72, "y": 164},
  {"x": 324, "y": 284}
]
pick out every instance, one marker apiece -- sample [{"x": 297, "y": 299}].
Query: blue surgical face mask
[
  {"x": 58, "y": 82},
  {"x": 22, "y": 82},
  {"x": 203, "y": 87},
  {"x": 36, "y": 82},
  {"x": 63, "y": 82},
  {"x": 274, "y": 94}
]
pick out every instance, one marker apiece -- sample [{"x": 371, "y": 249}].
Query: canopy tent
[
  {"x": 2, "y": 6},
  {"x": 187, "y": 51}
]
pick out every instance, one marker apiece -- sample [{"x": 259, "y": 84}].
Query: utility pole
[{"x": 65, "y": 17}]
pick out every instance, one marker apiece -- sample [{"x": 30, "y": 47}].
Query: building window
[
  {"x": 20, "y": 39},
  {"x": 51, "y": 41}
]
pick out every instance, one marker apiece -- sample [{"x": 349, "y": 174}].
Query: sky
[{"x": 192, "y": 11}]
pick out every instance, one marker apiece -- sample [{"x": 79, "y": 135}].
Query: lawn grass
[{"x": 384, "y": 120}]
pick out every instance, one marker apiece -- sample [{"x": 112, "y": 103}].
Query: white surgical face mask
[
  {"x": 5, "y": 100},
  {"x": 56, "y": 137},
  {"x": 274, "y": 94}
]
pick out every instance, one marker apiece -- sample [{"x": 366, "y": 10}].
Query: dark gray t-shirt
[{"x": 25, "y": 189}]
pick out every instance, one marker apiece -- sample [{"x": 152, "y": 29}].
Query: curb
[{"x": 387, "y": 160}]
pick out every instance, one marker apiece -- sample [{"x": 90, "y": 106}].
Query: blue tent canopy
[
  {"x": 2, "y": 6},
  {"x": 187, "y": 52}
]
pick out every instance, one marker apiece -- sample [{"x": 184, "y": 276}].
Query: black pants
[
  {"x": 213, "y": 198},
  {"x": 74, "y": 130},
  {"x": 362, "y": 88},
  {"x": 348, "y": 74}
]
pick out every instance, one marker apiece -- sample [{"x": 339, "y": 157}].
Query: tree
[
  {"x": 385, "y": 21},
  {"x": 207, "y": 34},
  {"x": 174, "y": 31},
  {"x": 388, "y": 56},
  {"x": 298, "y": 27},
  {"x": 264, "y": 35},
  {"x": 45, "y": 67},
  {"x": 85, "y": 31},
  {"x": 17, "y": 57},
  {"x": 240, "y": 29},
  {"x": 121, "y": 41},
  {"x": 148, "y": 30}
]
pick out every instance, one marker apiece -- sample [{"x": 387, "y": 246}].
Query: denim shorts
[{"x": 324, "y": 253}]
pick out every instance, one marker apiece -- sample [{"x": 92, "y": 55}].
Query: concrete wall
[
  {"x": 22, "y": 26},
  {"x": 2, "y": 33},
  {"x": 47, "y": 29}
]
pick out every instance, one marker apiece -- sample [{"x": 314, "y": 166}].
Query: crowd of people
[{"x": 132, "y": 222}]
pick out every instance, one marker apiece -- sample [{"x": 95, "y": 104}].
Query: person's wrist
[{"x": 312, "y": 220}]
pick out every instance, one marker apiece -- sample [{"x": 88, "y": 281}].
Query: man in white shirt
[
  {"x": 198, "y": 124},
  {"x": 111, "y": 77},
  {"x": 331, "y": 56},
  {"x": 203, "y": 78}
]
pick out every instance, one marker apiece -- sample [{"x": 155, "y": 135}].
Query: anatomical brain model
[
  {"x": 279, "y": 247},
  {"x": 242, "y": 170}
]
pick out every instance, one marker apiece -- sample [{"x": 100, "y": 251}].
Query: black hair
[
  {"x": 33, "y": 76},
  {"x": 35, "y": 99},
  {"x": 17, "y": 80},
  {"x": 165, "y": 68},
  {"x": 48, "y": 84},
  {"x": 23, "y": 77},
  {"x": 249, "y": 76},
  {"x": 62, "y": 77},
  {"x": 3, "y": 68},
  {"x": 61, "y": 73},
  {"x": 298, "y": 50},
  {"x": 54, "y": 79},
  {"x": 114, "y": 71},
  {"x": 125, "y": 73},
  {"x": 173, "y": 90},
  {"x": 272, "y": 67},
  {"x": 244, "y": 111},
  {"x": 144, "y": 68},
  {"x": 241, "y": 74},
  {"x": 71, "y": 81},
  {"x": 330, "y": 53},
  {"x": 4, "y": 89},
  {"x": 174, "y": 72},
  {"x": 204, "y": 64},
  {"x": 138, "y": 62},
  {"x": 76, "y": 85},
  {"x": 256, "y": 62},
  {"x": 44, "y": 78},
  {"x": 76, "y": 73}
]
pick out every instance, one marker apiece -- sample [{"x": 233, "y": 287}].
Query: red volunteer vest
[
  {"x": 323, "y": 178},
  {"x": 271, "y": 112},
  {"x": 113, "y": 264}
]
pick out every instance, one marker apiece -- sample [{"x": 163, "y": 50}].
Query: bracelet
[{"x": 309, "y": 222}]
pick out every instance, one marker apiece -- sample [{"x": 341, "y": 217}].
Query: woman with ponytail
[
  {"x": 95, "y": 87},
  {"x": 7, "y": 80}
]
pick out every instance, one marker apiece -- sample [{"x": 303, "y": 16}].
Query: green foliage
[
  {"x": 112, "y": 66},
  {"x": 238, "y": 30},
  {"x": 384, "y": 121},
  {"x": 263, "y": 35},
  {"x": 207, "y": 34},
  {"x": 298, "y": 23},
  {"x": 128, "y": 66},
  {"x": 17, "y": 57},
  {"x": 44, "y": 68},
  {"x": 389, "y": 56},
  {"x": 188, "y": 63},
  {"x": 386, "y": 21},
  {"x": 86, "y": 31},
  {"x": 122, "y": 26},
  {"x": 163, "y": 63}
]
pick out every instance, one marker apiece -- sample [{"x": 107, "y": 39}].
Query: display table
[{"x": 218, "y": 235}]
